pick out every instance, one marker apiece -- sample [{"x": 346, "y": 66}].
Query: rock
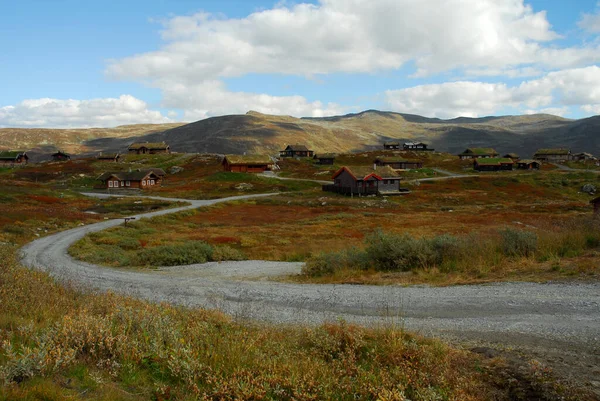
[
  {"x": 588, "y": 189},
  {"x": 244, "y": 186},
  {"x": 323, "y": 203},
  {"x": 485, "y": 351},
  {"x": 175, "y": 169}
]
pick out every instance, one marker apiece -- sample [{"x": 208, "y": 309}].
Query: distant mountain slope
[{"x": 254, "y": 132}]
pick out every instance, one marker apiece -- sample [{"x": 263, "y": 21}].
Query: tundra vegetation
[{"x": 58, "y": 342}]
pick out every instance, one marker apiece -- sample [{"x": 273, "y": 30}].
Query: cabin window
[
  {"x": 151, "y": 182},
  {"x": 143, "y": 182},
  {"x": 128, "y": 183},
  {"x": 110, "y": 184},
  {"x": 122, "y": 183}
]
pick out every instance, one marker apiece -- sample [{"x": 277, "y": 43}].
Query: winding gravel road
[{"x": 559, "y": 315}]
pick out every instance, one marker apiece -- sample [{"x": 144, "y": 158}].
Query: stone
[
  {"x": 588, "y": 189},
  {"x": 175, "y": 169},
  {"x": 244, "y": 186}
]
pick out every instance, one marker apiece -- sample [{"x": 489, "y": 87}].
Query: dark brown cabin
[
  {"x": 325, "y": 158},
  {"x": 478, "y": 153},
  {"x": 493, "y": 164},
  {"x": 296, "y": 151},
  {"x": 140, "y": 148},
  {"x": 398, "y": 163},
  {"x": 13, "y": 157},
  {"x": 416, "y": 146},
  {"x": 247, "y": 164},
  {"x": 365, "y": 181},
  {"x": 391, "y": 145},
  {"x": 141, "y": 179},
  {"x": 108, "y": 157},
  {"x": 528, "y": 164},
  {"x": 559, "y": 155}
]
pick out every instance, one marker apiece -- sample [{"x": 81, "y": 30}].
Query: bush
[
  {"x": 329, "y": 263},
  {"x": 174, "y": 255},
  {"x": 518, "y": 242},
  {"x": 225, "y": 252},
  {"x": 398, "y": 252}
]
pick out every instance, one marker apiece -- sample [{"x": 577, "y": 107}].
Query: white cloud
[
  {"x": 553, "y": 93},
  {"x": 590, "y": 22},
  {"x": 58, "y": 113},
  {"x": 212, "y": 98}
]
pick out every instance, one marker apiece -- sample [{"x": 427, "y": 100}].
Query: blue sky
[{"x": 69, "y": 63}]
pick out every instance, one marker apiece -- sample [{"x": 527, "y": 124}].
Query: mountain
[{"x": 255, "y": 132}]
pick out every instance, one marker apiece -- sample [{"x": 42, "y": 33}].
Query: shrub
[
  {"x": 173, "y": 255},
  {"x": 394, "y": 252},
  {"x": 329, "y": 263},
  {"x": 225, "y": 252},
  {"x": 518, "y": 242}
]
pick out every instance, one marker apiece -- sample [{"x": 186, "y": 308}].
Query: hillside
[{"x": 254, "y": 132}]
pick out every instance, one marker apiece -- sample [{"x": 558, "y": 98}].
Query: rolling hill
[{"x": 254, "y": 132}]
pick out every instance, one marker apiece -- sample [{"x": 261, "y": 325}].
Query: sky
[{"x": 77, "y": 64}]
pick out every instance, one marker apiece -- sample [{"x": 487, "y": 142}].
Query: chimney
[{"x": 374, "y": 166}]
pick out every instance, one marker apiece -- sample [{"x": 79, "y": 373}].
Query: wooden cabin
[
  {"x": 558, "y": 155},
  {"x": 512, "y": 156},
  {"x": 13, "y": 157},
  {"x": 583, "y": 157},
  {"x": 528, "y": 164},
  {"x": 60, "y": 157},
  {"x": 391, "y": 145},
  {"x": 365, "y": 181},
  {"x": 108, "y": 157},
  {"x": 296, "y": 151},
  {"x": 416, "y": 146},
  {"x": 247, "y": 164},
  {"x": 398, "y": 163},
  {"x": 151, "y": 148},
  {"x": 493, "y": 164},
  {"x": 325, "y": 158},
  {"x": 139, "y": 179},
  {"x": 478, "y": 153}
]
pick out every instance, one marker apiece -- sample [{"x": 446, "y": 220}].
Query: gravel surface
[{"x": 559, "y": 314}]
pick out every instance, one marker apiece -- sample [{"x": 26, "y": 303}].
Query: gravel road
[{"x": 555, "y": 314}]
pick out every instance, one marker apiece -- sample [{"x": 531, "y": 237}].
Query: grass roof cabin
[
  {"x": 416, "y": 146},
  {"x": 358, "y": 180},
  {"x": 325, "y": 158},
  {"x": 398, "y": 163},
  {"x": 512, "y": 156},
  {"x": 556, "y": 155},
  {"x": 139, "y": 179},
  {"x": 13, "y": 157},
  {"x": 140, "y": 148},
  {"x": 493, "y": 164},
  {"x": 247, "y": 163},
  {"x": 478, "y": 153},
  {"x": 60, "y": 157},
  {"x": 528, "y": 164},
  {"x": 108, "y": 157}
]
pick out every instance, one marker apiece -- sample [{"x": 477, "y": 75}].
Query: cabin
[
  {"x": 596, "y": 203},
  {"x": 365, "y": 181},
  {"x": 513, "y": 156},
  {"x": 478, "y": 153},
  {"x": 493, "y": 164},
  {"x": 559, "y": 155},
  {"x": 528, "y": 164},
  {"x": 398, "y": 163},
  {"x": 60, "y": 157},
  {"x": 13, "y": 157},
  {"x": 417, "y": 146},
  {"x": 583, "y": 157},
  {"x": 247, "y": 164},
  {"x": 108, "y": 157},
  {"x": 391, "y": 145},
  {"x": 142, "y": 148},
  {"x": 296, "y": 151},
  {"x": 139, "y": 179},
  {"x": 325, "y": 158}
]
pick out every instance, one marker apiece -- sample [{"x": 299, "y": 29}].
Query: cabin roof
[
  {"x": 325, "y": 156},
  {"x": 528, "y": 161},
  {"x": 248, "y": 159},
  {"x": 556, "y": 151},
  {"x": 391, "y": 159},
  {"x": 11, "y": 154},
  {"x": 391, "y": 143},
  {"x": 149, "y": 145},
  {"x": 512, "y": 155},
  {"x": 107, "y": 155},
  {"x": 136, "y": 175},
  {"x": 494, "y": 161},
  {"x": 479, "y": 151},
  {"x": 364, "y": 172},
  {"x": 297, "y": 148}
]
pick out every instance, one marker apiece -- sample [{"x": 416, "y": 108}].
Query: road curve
[{"x": 555, "y": 314}]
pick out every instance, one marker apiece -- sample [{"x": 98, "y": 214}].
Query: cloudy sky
[{"x": 73, "y": 63}]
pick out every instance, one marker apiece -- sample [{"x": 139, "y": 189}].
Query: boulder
[
  {"x": 175, "y": 169},
  {"x": 589, "y": 189}
]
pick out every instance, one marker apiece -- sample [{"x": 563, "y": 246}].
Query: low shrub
[
  {"x": 224, "y": 252},
  {"x": 173, "y": 255},
  {"x": 516, "y": 243}
]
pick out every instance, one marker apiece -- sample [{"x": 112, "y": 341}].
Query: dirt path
[{"x": 561, "y": 317}]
